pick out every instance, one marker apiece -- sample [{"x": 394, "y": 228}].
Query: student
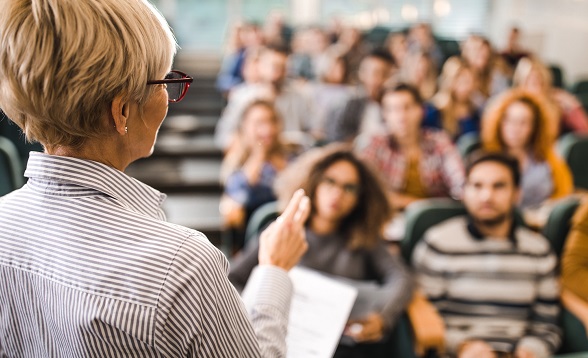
[
  {"x": 250, "y": 167},
  {"x": 415, "y": 162},
  {"x": 493, "y": 281},
  {"x": 344, "y": 232},
  {"x": 294, "y": 107},
  {"x": 521, "y": 124},
  {"x": 361, "y": 113},
  {"x": 532, "y": 75},
  {"x": 457, "y": 110}
]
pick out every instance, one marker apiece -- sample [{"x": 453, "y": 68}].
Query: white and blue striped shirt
[{"x": 90, "y": 268}]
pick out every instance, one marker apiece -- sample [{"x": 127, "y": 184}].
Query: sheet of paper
[{"x": 320, "y": 308}]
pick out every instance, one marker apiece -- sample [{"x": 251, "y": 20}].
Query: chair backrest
[
  {"x": 574, "y": 149},
  {"x": 10, "y": 167},
  {"x": 558, "y": 224},
  {"x": 468, "y": 143},
  {"x": 12, "y": 132},
  {"x": 423, "y": 215},
  {"x": 260, "y": 218},
  {"x": 580, "y": 87},
  {"x": 557, "y": 75}
]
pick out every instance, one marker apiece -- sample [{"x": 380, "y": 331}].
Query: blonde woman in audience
[
  {"x": 344, "y": 232},
  {"x": 250, "y": 167},
  {"x": 416, "y": 162},
  {"x": 458, "y": 112},
  {"x": 397, "y": 45},
  {"x": 532, "y": 75},
  {"x": 520, "y": 123},
  {"x": 491, "y": 71},
  {"x": 419, "y": 71}
]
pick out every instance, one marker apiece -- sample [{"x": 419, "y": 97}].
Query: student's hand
[
  {"x": 566, "y": 100},
  {"x": 476, "y": 349},
  {"x": 368, "y": 329},
  {"x": 524, "y": 353},
  {"x": 283, "y": 243}
]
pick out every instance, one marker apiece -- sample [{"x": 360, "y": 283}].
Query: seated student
[
  {"x": 361, "y": 113},
  {"x": 250, "y": 167},
  {"x": 294, "y": 107},
  {"x": 344, "y": 231},
  {"x": 532, "y": 75},
  {"x": 416, "y": 162},
  {"x": 457, "y": 111},
  {"x": 493, "y": 281},
  {"x": 574, "y": 260},
  {"x": 328, "y": 91},
  {"x": 520, "y": 123},
  {"x": 419, "y": 71}
]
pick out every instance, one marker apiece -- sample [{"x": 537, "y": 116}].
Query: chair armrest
[
  {"x": 427, "y": 324},
  {"x": 577, "y": 306}
]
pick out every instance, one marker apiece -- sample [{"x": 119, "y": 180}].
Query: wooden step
[
  {"x": 189, "y": 124},
  {"x": 179, "y": 175}
]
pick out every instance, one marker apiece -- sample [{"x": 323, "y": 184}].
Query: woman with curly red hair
[{"x": 521, "y": 124}]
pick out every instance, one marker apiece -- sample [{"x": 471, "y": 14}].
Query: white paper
[{"x": 318, "y": 314}]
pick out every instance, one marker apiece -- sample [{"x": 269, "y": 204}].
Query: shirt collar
[
  {"x": 478, "y": 236},
  {"x": 128, "y": 191}
]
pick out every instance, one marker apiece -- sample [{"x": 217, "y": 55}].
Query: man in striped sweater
[{"x": 493, "y": 281}]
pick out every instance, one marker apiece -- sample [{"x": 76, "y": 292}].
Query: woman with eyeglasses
[
  {"x": 89, "y": 267},
  {"x": 344, "y": 232}
]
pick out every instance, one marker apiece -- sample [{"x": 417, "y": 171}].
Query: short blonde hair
[{"x": 63, "y": 62}]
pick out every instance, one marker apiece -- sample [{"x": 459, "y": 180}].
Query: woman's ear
[{"x": 120, "y": 114}]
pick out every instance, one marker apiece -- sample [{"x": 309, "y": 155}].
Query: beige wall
[{"x": 557, "y": 30}]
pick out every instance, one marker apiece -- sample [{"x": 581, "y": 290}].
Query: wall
[{"x": 557, "y": 30}]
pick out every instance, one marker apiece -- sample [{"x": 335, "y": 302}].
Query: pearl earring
[{"x": 126, "y": 130}]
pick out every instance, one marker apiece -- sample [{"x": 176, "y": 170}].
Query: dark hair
[
  {"x": 364, "y": 225},
  {"x": 508, "y": 161},
  {"x": 281, "y": 49},
  {"x": 406, "y": 88},
  {"x": 382, "y": 55}
]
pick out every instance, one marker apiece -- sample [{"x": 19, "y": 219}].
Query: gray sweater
[{"x": 329, "y": 254}]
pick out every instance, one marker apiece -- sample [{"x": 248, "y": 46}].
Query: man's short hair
[
  {"x": 278, "y": 48},
  {"x": 508, "y": 161},
  {"x": 406, "y": 88},
  {"x": 382, "y": 55}
]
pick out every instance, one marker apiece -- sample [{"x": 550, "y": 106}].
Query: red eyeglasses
[{"x": 177, "y": 84}]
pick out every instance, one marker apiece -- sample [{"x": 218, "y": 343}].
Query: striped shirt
[
  {"x": 502, "y": 291},
  {"x": 90, "y": 268}
]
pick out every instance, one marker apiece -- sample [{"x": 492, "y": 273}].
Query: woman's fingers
[
  {"x": 292, "y": 208},
  {"x": 302, "y": 212}
]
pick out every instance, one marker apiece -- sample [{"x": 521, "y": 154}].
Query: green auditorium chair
[
  {"x": 468, "y": 143},
  {"x": 557, "y": 75},
  {"x": 574, "y": 150},
  {"x": 261, "y": 217},
  {"x": 557, "y": 227},
  {"x": 424, "y": 214},
  {"x": 10, "y": 167},
  {"x": 580, "y": 86}
]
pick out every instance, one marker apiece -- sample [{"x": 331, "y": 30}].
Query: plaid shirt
[{"x": 440, "y": 166}]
